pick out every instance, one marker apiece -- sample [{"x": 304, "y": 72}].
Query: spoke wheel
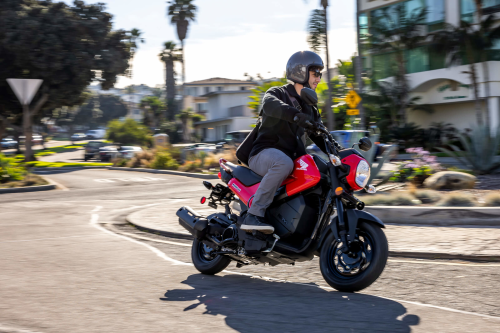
[{"x": 362, "y": 266}]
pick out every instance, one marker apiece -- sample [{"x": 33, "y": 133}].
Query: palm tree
[
  {"x": 398, "y": 33},
  {"x": 134, "y": 38},
  {"x": 181, "y": 12},
  {"x": 169, "y": 55},
  {"x": 318, "y": 39},
  {"x": 470, "y": 42}
]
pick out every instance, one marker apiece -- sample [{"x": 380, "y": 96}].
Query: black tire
[
  {"x": 205, "y": 265},
  {"x": 85, "y": 158},
  {"x": 377, "y": 252}
]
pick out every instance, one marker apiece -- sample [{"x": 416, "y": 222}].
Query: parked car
[
  {"x": 236, "y": 137},
  {"x": 95, "y": 134},
  {"x": 8, "y": 143},
  {"x": 36, "y": 139},
  {"x": 108, "y": 153},
  {"x": 92, "y": 149},
  {"x": 78, "y": 137},
  {"x": 129, "y": 151}
]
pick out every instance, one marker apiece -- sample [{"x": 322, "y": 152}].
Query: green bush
[
  {"x": 11, "y": 169},
  {"x": 457, "y": 200},
  {"x": 492, "y": 200},
  {"x": 128, "y": 132},
  {"x": 163, "y": 160}
]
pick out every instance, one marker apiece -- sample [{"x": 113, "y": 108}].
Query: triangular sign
[{"x": 25, "y": 89}]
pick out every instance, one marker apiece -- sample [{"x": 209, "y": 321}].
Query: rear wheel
[
  {"x": 205, "y": 262},
  {"x": 362, "y": 268}
]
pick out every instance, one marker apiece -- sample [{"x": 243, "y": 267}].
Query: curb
[
  {"x": 167, "y": 172},
  {"x": 28, "y": 189},
  {"x": 438, "y": 216},
  {"x": 156, "y": 231},
  {"x": 405, "y": 254}
]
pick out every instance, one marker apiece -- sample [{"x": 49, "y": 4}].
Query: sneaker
[{"x": 252, "y": 222}]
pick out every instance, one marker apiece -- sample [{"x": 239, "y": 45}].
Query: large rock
[{"x": 450, "y": 180}]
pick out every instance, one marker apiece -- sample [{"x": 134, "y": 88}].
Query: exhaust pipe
[{"x": 188, "y": 218}]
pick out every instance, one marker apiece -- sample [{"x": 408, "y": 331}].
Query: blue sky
[{"x": 231, "y": 37}]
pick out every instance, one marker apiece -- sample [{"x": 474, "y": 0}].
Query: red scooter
[{"x": 314, "y": 212}]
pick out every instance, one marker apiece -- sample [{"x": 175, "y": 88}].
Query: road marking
[
  {"x": 443, "y": 263},
  {"x": 39, "y": 239},
  {"x": 134, "y": 179},
  {"x": 94, "y": 221}
]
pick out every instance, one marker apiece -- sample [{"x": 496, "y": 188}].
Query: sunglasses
[{"x": 317, "y": 73}]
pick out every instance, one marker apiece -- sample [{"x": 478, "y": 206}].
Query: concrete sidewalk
[{"x": 473, "y": 243}]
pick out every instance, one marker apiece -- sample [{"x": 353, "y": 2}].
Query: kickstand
[{"x": 276, "y": 239}]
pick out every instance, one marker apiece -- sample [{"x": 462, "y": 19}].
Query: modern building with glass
[{"x": 447, "y": 89}]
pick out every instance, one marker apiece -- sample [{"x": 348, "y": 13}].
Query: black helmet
[{"x": 297, "y": 68}]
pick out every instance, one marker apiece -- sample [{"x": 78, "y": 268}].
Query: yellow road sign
[
  {"x": 352, "y": 99},
  {"x": 352, "y": 112}
]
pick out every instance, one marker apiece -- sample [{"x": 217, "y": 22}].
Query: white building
[
  {"x": 223, "y": 102},
  {"x": 448, "y": 90}
]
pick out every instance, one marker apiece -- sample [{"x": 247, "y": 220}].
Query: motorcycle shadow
[{"x": 255, "y": 305}]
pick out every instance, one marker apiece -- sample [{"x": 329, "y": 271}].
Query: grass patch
[
  {"x": 61, "y": 149},
  {"x": 29, "y": 180},
  {"x": 492, "y": 200},
  {"x": 395, "y": 199},
  {"x": 44, "y": 153},
  {"x": 427, "y": 196},
  {"x": 457, "y": 200},
  {"x": 39, "y": 164}
]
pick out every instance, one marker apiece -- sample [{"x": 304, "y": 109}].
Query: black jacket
[{"x": 278, "y": 130}]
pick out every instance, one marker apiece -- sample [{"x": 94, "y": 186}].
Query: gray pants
[{"x": 274, "y": 166}]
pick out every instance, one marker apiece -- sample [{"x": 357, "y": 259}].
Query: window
[
  {"x": 242, "y": 88},
  {"x": 191, "y": 91},
  {"x": 467, "y": 9},
  {"x": 363, "y": 26},
  {"x": 219, "y": 88},
  {"x": 207, "y": 90},
  {"x": 201, "y": 107},
  {"x": 383, "y": 65},
  {"x": 417, "y": 60}
]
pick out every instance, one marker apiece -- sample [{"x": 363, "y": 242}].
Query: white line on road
[
  {"x": 443, "y": 263},
  {"x": 95, "y": 219},
  {"x": 40, "y": 239}
]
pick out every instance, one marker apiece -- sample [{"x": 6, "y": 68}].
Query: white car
[
  {"x": 7, "y": 143},
  {"x": 78, "y": 137},
  {"x": 95, "y": 134},
  {"x": 129, "y": 151}
]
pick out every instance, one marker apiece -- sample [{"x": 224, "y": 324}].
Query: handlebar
[{"x": 308, "y": 123}]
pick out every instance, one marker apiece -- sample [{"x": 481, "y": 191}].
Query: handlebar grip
[{"x": 308, "y": 123}]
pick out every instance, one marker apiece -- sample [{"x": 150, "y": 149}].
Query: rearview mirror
[
  {"x": 365, "y": 144},
  {"x": 309, "y": 96}
]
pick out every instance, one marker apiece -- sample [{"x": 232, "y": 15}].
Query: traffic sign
[
  {"x": 352, "y": 112},
  {"x": 25, "y": 89},
  {"x": 352, "y": 99}
]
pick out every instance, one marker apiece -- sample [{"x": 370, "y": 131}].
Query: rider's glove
[{"x": 303, "y": 120}]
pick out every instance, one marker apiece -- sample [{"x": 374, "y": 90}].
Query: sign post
[{"x": 25, "y": 90}]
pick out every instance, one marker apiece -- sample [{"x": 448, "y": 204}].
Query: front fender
[{"x": 353, "y": 217}]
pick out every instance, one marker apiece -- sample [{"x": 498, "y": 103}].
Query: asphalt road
[{"x": 62, "y": 270}]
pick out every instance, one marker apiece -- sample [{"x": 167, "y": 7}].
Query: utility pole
[
  {"x": 328, "y": 105},
  {"x": 358, "y": 66}
]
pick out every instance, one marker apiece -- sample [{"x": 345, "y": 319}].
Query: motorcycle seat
[{"x": 246, "y": 176}]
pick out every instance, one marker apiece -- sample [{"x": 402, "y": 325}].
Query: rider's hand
[{"x": 303, "y": 120}]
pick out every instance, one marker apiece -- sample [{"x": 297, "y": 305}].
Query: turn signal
[
  {"x": 339, "y": 191},
  {"x": 203, "y": 199},
  {"x": 371, "y": 189},
  {"x": 335, "y": 160}
]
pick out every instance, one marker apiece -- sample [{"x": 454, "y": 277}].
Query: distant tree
[
  {"x": 66, "y": 46},
  {"x": 154, "y": 111},
  {"x": 255, "y": 103},
  {"x": 187, "y": 117},
  {"x": 170, "y": 55},
  {"x": 128, "y": 132},
  {"x": 180, "y": 13}
]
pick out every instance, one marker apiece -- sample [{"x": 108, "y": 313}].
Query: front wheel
[
  {"x": 362, "y": 268},
  {"x": 205, "y": 262}
]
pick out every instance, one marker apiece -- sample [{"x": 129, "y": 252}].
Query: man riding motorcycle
[{"x": 281, "y": 137}]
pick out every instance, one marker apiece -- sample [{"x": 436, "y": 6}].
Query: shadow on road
[{"x": 255, "y": 305}]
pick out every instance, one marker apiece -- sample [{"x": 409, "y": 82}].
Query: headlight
[{"x": 362, "y": 174}]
